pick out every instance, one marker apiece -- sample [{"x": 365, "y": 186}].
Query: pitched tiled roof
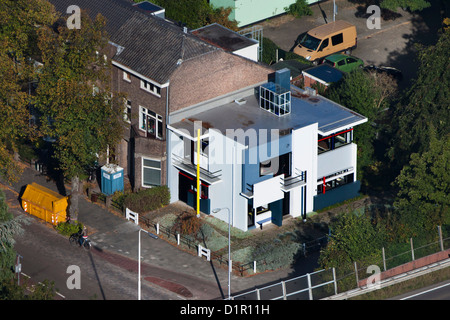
[
  {"x": 152, "y": 46},
  {"x": 155, "y": 48},
  {"x": 116, "y": 12}
]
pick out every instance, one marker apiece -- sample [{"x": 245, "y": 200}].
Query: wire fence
[{"x": 327, "y": 282}]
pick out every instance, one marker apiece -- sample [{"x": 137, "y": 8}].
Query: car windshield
[
  {"x": 331, "y": 63},
  {"x": 310, "y": 42}
]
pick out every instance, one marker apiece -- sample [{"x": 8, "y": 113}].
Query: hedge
[{"x": 147, "y": 199}]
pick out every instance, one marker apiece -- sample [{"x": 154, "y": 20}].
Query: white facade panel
[
  {"x": 249, "y": 52},
  {"x": 304, "y": 158},
  {"x": 267, "y": 191},
  {"x": 333, "y": 161}
]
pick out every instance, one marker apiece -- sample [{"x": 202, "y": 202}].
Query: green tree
[
  {"x": 19, "y": 21},
  {"x": 9, "y": 227},
  {"x": 299, "y": 9},
  {"x": 425, "y": 104},
  {"x": 78, "y": 109},
  {"x": 368, "y": 94},
  {"x": 423, "y": 187},
  {"x": 413, "y": 5},
  {"x": 354, "y": 237}
]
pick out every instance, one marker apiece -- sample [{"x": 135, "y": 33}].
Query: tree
[
  {"x": 19, "y": 21},
  {"x": 413, "y": 5},
  {"x": 425, "y": 104},
  {"x": 353, "y": 237},
  {"x": 423, "y": 187},
  {"x": 368, "y": 94},
  {"x": 78, "y": 109}
]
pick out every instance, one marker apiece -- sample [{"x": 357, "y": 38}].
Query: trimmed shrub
[
  {"x": 68, "y": 228},
  {"x": 147, "y": 199}
]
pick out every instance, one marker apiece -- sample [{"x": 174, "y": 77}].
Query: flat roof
[
  {"x": 222, "y": 37},
  {"x": 305, "y": 110},
  {"x": 324, "y": 73}
]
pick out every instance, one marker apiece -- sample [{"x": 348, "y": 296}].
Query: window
[
  {"x": 330, "y": 185},
  {"x": 126, "y": 76},
  {"x": 150, "y": 87},
  {"x": 151, "y": 172},
  {"x": 337, "y": 39},
  {"x": 324, "y": 44},
  {"x": 151, "y": 123},
  {"x": 351, "y": 60},
  {"x": 310, "y": 42},
  {"x": 127, "y": 111},
  {"x": 341, "y": 63},
  {"x": 334, "y": 141}
]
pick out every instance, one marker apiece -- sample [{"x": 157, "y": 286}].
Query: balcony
[
  {"x": 289, "y": 183},
  {"x": 187, "y": 166}
]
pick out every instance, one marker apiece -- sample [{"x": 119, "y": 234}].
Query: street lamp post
[
  {"x": 139, "y": 259},
  {"x": 229, "y": 247}
]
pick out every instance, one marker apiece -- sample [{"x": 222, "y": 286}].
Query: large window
[
  {"x": 334, "y": 141},
  {"x": 151, "y": 172},
  {"x": 327, "y": 185},
  {"x": 151, "y": 123}
]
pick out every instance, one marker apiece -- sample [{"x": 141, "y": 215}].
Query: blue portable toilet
[{"x": 112, "y": 179}]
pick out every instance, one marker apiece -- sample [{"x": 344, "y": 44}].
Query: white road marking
[{"x": 423, "y": 292}]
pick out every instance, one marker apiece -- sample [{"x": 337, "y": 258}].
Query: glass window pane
[
  {"x": 152, "y": 163},
  {"x": 151, "y": 177}
]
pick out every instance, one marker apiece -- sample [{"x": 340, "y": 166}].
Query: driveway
[{"x": 393, "y": 44}]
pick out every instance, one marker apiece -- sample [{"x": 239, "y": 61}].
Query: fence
[
  {"x": 222, "y": 260},
  {"x": 328, "y": 282},
  {"x": 306, "y": 287}
]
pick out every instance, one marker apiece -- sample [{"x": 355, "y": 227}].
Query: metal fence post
[
  {"x": 356, "y": 273},
  {"x": 334, "y": 279},
  {"x": 258, "y": 295},
  {"x": 384, "y": 258},
  {"x": 412, "y": 249},
  {"x": 308, "y": 276},
  {"x": 283, "y": 287},
  {"x": 157, "y": 228},
  {"x": 440, "y": 238}
]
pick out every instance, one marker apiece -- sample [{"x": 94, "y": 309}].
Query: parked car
[
  {"x": 344, "y": 62},
  {"x": 393, "y": 72},
  {"x": 336, "y": 36}
]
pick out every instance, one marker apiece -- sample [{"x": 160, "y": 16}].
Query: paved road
[{"x": 439, "y": 291}]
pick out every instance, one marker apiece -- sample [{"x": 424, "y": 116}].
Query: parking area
[{"x": 393, "y": 44}]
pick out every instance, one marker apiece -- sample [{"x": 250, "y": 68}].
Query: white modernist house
[{"x": 265, "y": 153}]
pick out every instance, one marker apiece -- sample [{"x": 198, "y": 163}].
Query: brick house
[{"x": 162, "y": 68}]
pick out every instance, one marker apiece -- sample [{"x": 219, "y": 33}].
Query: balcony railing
[
  {"x": 187, "y": 166},
  {"x": 289, "y": 183}
]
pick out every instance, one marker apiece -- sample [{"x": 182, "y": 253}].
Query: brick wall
[
  {"x": 416, "y": 264},
  {"x": 213, "y": 75}
]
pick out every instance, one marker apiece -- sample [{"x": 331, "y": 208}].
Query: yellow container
[{"x": 44, "y": 203}]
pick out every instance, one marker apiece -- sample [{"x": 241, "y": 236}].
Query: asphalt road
[
  {"x": 48, "y": 256},
  {"x": 439, "y": 291}
]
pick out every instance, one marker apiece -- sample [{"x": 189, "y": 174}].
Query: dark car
[{"x": 391, "y": 71}]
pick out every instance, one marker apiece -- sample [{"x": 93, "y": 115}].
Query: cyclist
[{"x": 81, "y": 234}]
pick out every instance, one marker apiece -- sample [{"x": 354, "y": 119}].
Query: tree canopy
[
  {"x": 368, "y": 94},
  {"x": 81, "y": 114}
]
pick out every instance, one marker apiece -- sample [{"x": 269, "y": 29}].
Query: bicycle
[{"x": 82, "y": 241}]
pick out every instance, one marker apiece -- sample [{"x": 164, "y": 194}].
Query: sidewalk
[{"x": 116, "y": 240}]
